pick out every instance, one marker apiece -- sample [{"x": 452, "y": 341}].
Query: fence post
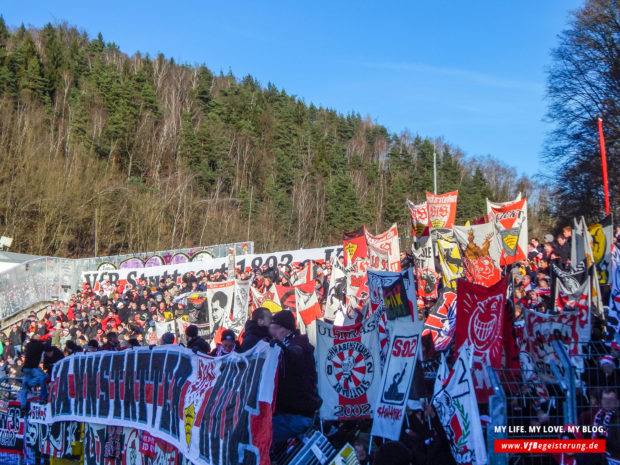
[
  {"x": 568, "y": 378},
  {"x": 497, "y": 412}
]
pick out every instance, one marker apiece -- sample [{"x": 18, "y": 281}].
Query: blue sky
[{"x": 472, "y": 73}]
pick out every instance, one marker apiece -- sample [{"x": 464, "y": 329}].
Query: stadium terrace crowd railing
[{"x": 46, "y": 278}]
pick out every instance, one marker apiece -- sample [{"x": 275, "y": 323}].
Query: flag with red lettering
[
  {"x": 378, "y": 258},
  {"x": 354, "y": 245},
  {"x": 442, "y": 209},
  {"x": 348, "y": 369},
  {"x": 388, "y": 241},
  {"x": 303, "y": 275},
  {"x": 479, "y": 319},
  {"x": 510, "y": 223},
  {"x": 479, "y": 253},
  {"x": 441, "y": 321},
  {"x": 420, "y": 224},
  {"x": 454, "y": 400}
]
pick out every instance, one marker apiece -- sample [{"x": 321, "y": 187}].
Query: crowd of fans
[{"x": 114, "y": 318}]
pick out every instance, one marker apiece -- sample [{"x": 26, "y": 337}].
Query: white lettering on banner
[{"x": 153, "y": 274}]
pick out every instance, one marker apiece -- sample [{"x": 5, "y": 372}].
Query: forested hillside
[{"x": 161, "y": 155}]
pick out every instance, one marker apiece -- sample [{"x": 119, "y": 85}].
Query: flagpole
[
  {"x": 604, "y": 163},
  {"x": 435, "y": 170}
]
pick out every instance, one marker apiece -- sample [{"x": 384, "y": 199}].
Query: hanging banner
[
  {"x": 577, "y": 301},
  {"x": 128, "y": 277},
  {"x": 541, "y": 329},
  {"x": 348, "y": 369},
  {"x": 441, "y": 321},
  {"x": 183, "y": 398},
  {"x": 387, "y": 241},
  {"x": 442, "y": 209},
  {"x": 479, "y": 253},
  {"x": 426, "y": 276},
  {"x": 510, "y": 223},
  {"x": 394, "y": 292},
  {"x": 451, "y": 263},
  {"x": 454, "y": 400},
  {"x": 220, "y": 299},
  {"x": 479, "y": 318},
  {"x": 354, "y": 245},
  {"x": 602, "y": 240},
  {"x": 420, "y": 224},
  {"x": 391, "y": 404}
]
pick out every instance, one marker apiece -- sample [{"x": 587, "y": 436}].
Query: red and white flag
[{"x": 479, "y": 320}]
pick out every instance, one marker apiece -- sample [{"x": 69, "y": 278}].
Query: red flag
[
  {"x": 479, "y": 321},
  {"x": 442, "y": 209},
  {"x": 355, "y": 245}
]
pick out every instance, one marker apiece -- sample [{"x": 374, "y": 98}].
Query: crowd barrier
[
  {"x": 46, "y": 278},
  {"x": 571, "y": 401}
]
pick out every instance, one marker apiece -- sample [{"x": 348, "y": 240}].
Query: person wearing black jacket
[
  {"x": 195, "y": 342},
  {"x": 16, "y": 336},
  {"x": 51, "y": 355},
  {"x": 33, "y": 375},
  {"x": 297, "y": 398},
  {"x": 256, "y": 329}
]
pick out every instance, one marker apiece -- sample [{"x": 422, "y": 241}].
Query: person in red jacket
[{"x": 112, "y": 319}]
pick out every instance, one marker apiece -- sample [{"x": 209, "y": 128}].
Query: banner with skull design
[
  {"x": 442, "y": 209},
  {"x": 510, "y": 223},
  {"x": 348, "y": 368},
  {"x": 426, "y": 275},
  {"x": 387, "y": 241},
  {"x": 454, "y": 400},
  {"x": 479, "y": 253},
  {"x": 479, "y": 319},
  {"x": 420, "y": 224}
]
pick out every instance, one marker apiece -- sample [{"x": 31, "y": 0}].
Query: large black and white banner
[
  {"x": 214, "y": 410},
  {"x": 129, "y": 277}
]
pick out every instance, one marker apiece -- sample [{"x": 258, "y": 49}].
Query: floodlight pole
[{"x": 434, "y": 170}]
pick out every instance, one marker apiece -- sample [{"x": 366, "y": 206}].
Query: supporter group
[{"x": 552, "y": 278}]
